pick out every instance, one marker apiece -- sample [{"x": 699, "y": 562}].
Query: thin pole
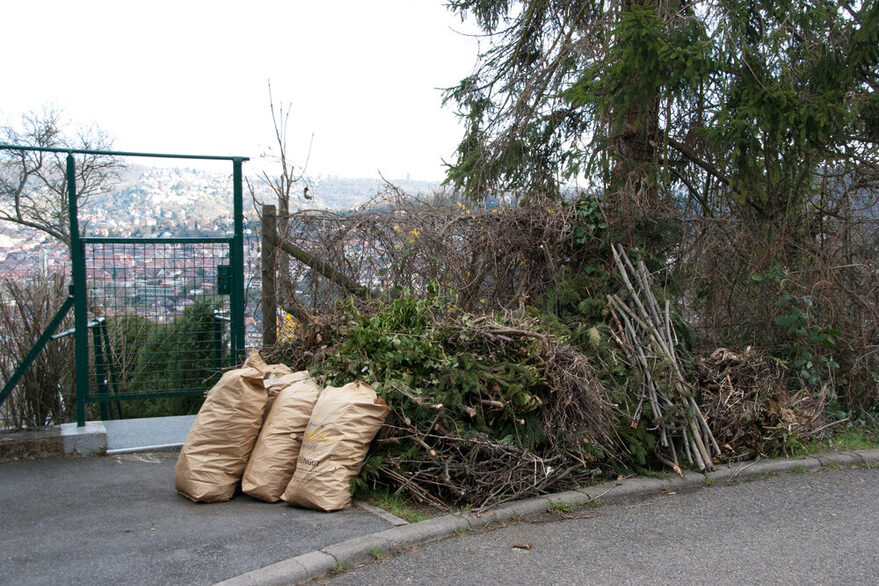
[
  {"x": 38, "y": 347},
  {"x": 237, "y": 262},
  {"x": 80, "y": 307}
]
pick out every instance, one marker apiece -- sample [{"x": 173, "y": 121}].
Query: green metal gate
[
  {"x": 153, "y": 317},
  {"x": 154, "y": 345},
  {"x": 162, "y": 316}
]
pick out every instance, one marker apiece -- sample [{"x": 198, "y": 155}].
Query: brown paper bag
[
  {"x": 218, "y": 445},
  {"x": 273, "y": 458},
  {"x": 277, "y": 377},
  {"x": 280, "y": 377},
  {"x": 343, "y": 424}
]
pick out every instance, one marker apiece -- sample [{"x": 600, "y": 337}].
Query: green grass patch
[
  {"x": 395, "y": 505},
  {"x": 559, "y": 508},
  {"x": 852, "y": 438}
]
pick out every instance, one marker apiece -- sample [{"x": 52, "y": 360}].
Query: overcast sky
[{"x": 189, "y": 76}]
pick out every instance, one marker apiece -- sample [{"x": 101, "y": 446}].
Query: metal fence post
[
  {"x": 100, "y": 369},
  {"x": 80, "y": 305},
  {"x": 237, "y": 261},
  {"x": 269, "y": 300}
]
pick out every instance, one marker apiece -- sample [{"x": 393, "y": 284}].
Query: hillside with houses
[{"x": 178, "y": 202}]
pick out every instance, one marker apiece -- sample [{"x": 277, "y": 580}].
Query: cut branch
[
  {"x": 647, "y": 335},
  {"x": 319, "y": 266}
]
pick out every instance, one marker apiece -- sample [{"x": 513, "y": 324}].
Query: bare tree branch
[{"x": 33, "y": 184}]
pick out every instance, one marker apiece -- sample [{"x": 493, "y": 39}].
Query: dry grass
[{"x": 45, "y": 394}]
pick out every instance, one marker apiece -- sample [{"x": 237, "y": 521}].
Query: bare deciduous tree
[
  {"x": 33, "y": 184},
  {"x": 283, "y": 183},
  {"x": 282, "y": 186}
]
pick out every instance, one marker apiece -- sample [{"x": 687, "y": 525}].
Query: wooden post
[{"x": 269, "y": 289}]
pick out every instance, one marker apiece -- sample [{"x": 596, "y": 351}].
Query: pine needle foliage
[{"x": 484, "y": 408}]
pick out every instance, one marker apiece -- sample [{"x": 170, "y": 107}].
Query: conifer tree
[{"x": 751, "y": 107}]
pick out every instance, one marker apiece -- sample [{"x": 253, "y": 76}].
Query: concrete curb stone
[
  {"x": 363, "y": 549},
  {"x": 422, "y": 532},
  {"x": 88, "y": 440},
  {"x": 295, "y": 570},
  {"x": 847, "y": 458},
  {"x": 568, "y": 497},
  {"x": 358, "y": 550},
  {"x": 507, "y": 512},
  {"x": 761, "y": 467}
]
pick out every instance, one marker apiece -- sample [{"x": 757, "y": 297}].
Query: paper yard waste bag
[
  {"x": 273, "y": 458},
  {"x": 343, "y": 424},
  {"x": 275, "y": 379},
  {"x": 216, "y": 450}
]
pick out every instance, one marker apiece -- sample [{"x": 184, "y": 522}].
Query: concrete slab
[
  {"x": 147, "y": 434},
  {"x": 88, "y": 440}
]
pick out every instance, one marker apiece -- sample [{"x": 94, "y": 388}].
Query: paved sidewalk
[
  {"x": 147, "y": 434},
  {"x": 118, "y": 520},
  {"x": 97, "y": 437}
]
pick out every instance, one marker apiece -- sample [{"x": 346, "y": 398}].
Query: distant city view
[
  {"x": 168, "y": 202},
  {"x": 162, "y": 202}
]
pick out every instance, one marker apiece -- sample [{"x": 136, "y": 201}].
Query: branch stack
[{"x": 645, "y": 332}]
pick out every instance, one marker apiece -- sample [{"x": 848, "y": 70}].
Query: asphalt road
[{"x": 803, "y": 528}]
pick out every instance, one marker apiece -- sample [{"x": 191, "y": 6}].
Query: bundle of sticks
[{"x": 645, "y": 333}]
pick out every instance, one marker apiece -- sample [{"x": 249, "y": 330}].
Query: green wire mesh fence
[{"x": 162, "y": 326}]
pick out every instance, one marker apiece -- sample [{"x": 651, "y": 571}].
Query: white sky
[{"x": 191, "y": 76}]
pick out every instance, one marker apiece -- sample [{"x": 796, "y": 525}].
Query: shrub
[{"x": 45, "y": 394}]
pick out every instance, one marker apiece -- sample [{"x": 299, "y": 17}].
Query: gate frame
[{"x": 77, "y": 257}]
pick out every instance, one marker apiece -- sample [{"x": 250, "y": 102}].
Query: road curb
[{"x": 366, "y": 548}]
